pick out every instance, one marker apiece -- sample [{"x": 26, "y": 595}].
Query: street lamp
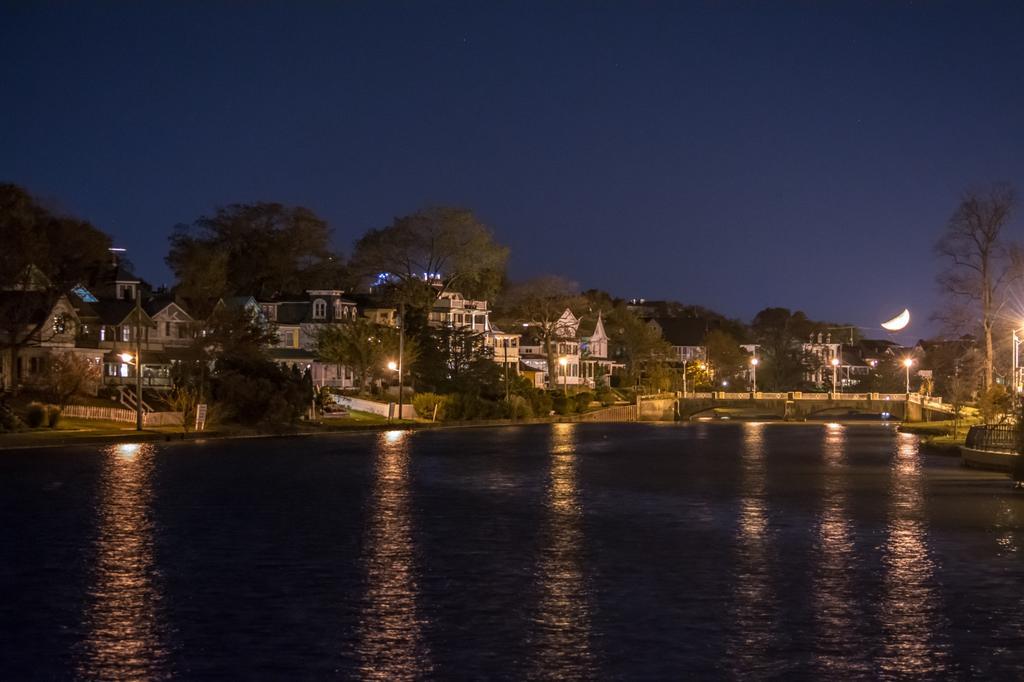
[
  {"x": 564, "y": 361},
  {"x": 393, "y": 366},
  {"x": 908, "y": 363},
  {"x": 129, "y": 359},
  {"x": 753, "y": 374},
  {"x": 835, "y": 368}
]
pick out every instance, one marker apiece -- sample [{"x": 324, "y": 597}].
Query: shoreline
[{"x": 75, "y": 439}]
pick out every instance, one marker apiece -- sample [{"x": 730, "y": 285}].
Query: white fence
[
  {"x": 119, "y": 414},
  {"x": 114, "y": 414},
  {"x": 383, "y": 409}
]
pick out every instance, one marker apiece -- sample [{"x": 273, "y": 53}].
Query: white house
[
  {"x": 453, "y": 310},
  {"x": 565, "y": 346}
]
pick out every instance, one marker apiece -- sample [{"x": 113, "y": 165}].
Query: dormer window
[
  {"x": 60, "y": 323},
  {"x": 319, "y": 309}
]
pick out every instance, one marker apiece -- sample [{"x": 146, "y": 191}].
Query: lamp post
[
  {"x": 401, "y": 352},
  {"x": 908, "y": 363},
  {"x": 127, "y": 359},
  {"x": 563, "y": 362},
  {"x": 393, "y": 366},
  {"x": 835, "y": 369},
  {"x": 753, "y": 374},
  {"x": 684, "y": 378}
]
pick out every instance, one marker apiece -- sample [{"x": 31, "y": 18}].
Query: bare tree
[
  {"x": 68, "y": 375},
  {"x": 982, "y": 263},
  {"x": 539, "y": 303}
]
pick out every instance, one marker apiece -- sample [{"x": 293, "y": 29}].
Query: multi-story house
[
  {"x": 35, "y": 324},
  {"x": 452, "y": 310},
  {"x": 503, "y": 348},
  {"x": 597, "y": 367},
  {"x": 298, "y": 321},
  {"x": 566, "y": 348}
]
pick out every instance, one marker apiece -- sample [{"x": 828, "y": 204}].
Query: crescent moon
[{"x": 897, "y": 323}]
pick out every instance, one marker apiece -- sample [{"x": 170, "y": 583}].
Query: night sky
[{"x": 735, "y": 156}]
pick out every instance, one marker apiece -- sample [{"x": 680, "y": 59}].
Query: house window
[
  {"x": 126, "y": 333},
  {"x": 319, "y": 309},
  {"x": 60, "y": 323},
  {"x": 167, "y": 328},
  {"x": 103, "y": 333}
]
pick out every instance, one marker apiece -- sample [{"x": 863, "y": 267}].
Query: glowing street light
[
  {"x": 127, "y": 358},
  {"x": 753, "y": 374},
  {"x": 835, "y": 369},
  {"x": 564, "y": 361},
  {"x": 908, "y": 363},
  {"x": 392, "y": 365}
]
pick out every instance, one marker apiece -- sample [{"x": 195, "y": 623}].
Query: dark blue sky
[{"x": 736, "y": 156}]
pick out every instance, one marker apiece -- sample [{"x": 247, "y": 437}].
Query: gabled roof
[
  {"x": 155, "y": 306},
  {"x": 114, "y": 312},
  {"x": 28, "y": 307},
  {"x": 877, "y": 346},
  {"x": 592, "y": 327}
]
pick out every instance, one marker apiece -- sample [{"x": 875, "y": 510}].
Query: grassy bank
[
  {"x": 73, "y": 431},
  {"x": 938, "y": 437}
]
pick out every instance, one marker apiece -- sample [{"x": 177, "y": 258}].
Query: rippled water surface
[{"x": 565, "y": 551}]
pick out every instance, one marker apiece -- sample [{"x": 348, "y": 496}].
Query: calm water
[{"x": 566, "y": 551}]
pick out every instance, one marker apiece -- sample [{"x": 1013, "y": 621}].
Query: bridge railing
[{"x": 994, "y": 437}]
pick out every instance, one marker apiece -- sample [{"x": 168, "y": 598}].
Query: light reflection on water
[
  {"x": 754, "y": 602},
  {"x": 124, "y": 635},
  {"x": 911, "y": 609},
  {"x": 836, "y": 613},
  {"x": 391, "y": 646},
  {"x": 562, "y": 622}
]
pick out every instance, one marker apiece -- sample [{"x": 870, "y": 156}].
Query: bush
[
  {"x": 518, "y": 407},
  {"x": 541, "y": 403},
  {"x": 462, "y": 407},
  {"x": 52, "y": 416},
  {"x": 583, "y": 400},
  {"x": 563, "y": 405},
  {"x": 36, "y": 415},
  {"x": 8, "y": 420},
  {"x": 606, "y": 396},
  {"x": 425, "y": 404},
  {"x": 258, "y": 392}
]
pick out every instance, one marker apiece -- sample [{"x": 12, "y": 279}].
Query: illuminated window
[
  {"x": 319, "y": 309},
  {"x": 126, "y": 333}
]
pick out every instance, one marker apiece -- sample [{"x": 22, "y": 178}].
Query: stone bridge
[{"x": 793, "y": 406}]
